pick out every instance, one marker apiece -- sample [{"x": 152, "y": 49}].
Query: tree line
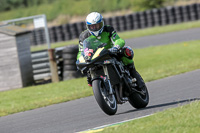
[{"x": 7, "y": 5}]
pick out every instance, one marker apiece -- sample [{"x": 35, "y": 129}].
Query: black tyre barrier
[
  {"x": 40, "y": 36},
  {"x": 67, "y": 32},
  {"x": 33, "y": 38},
  {"x": 129, "y": 22},
  {"x": 122, "y": 23},
  {"x": 69, "y": 55},
  {"x": 74, "y": 30},
  {"x": 71, "y": 74},
  {"x": 106, "y": 21},
  {"x": 69, "y": 62},
  {"x": 60, "y": 34},
  {"x": 156, "y": 16},
  {"x": 52, "y": 34},
  {"x": 143, "y": 20},
  {"x": 162, "y": 16},
  {"x": 70, "y": 67},
  {"x": 116, "y": 23},
  {"x": 139, "y": 20},
  {"x": 136, "y": 21},
  {"x": 80, "y": 27},
  {"x": 71, "y": 49}
]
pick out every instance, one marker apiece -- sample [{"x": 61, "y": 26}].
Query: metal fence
[{"x": 139, "y": 20}]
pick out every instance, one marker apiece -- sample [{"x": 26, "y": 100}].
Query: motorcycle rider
[{"x": 107, "y": 34}]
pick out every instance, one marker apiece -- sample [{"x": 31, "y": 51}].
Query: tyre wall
[{"x": 139, "y": 20}]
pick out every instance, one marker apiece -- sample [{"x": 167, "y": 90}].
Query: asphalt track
[
  {"x": 83, "y": 114},
  {"x": 165, "y": 38}
]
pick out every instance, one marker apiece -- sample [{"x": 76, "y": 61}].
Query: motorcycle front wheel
[{"x": 106, "y": 101}]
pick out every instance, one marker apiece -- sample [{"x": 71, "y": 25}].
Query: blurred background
[
  {"x": 66, "y": 20},
  {"x": 69, "y": 11}
]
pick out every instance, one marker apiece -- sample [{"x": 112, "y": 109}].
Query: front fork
[{"x": 106, "y": 79}]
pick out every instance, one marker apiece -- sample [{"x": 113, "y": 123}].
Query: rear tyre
[
  {"x": 138, "y": 100},
  {"x": 106, "y": 101}
]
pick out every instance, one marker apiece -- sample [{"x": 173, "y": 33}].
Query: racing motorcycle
[{"x": 111, "y": 80}]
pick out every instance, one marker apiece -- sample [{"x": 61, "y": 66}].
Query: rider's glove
[{"x": 114, "y": 49}]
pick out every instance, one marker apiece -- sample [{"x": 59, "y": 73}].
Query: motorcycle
[{"x": 111, "y": 80}]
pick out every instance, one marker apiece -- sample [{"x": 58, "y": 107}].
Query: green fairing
[{"x": 104, "y": 38}]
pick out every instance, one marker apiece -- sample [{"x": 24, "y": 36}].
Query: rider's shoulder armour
[{"x": 110, "y": 29}]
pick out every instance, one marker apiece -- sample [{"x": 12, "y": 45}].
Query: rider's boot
[
  {"x": 89, "y": 80},
  {"x": 135, "y": 74}
]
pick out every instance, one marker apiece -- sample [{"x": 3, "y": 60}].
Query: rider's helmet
[{"x": 95, "y": 23}]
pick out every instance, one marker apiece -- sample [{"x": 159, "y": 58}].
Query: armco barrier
[{"x": 139, "y": 20}]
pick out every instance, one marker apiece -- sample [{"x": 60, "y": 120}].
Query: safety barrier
[
  {"x": 66, "y": 64},
  {"x": 41, "y": 66},
  {"x": 139, "y": 20},
  {"x": 69, "y": 63}
]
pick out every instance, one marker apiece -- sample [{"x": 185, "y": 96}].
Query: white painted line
[{"x": 100, "y": 127}]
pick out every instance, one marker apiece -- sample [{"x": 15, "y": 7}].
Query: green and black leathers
[
  {"x": 108, "y": 36},
  {"x": 111, "y": 38}
]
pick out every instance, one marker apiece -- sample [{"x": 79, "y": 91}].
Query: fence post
[{"x": 53, "y": 65}]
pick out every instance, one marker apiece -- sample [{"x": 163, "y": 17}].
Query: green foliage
[
  {"x": 52, "y": 10},
  {"x": 11, "y": 9},
  {"x": 142, "y": 5},
  {"x": 6, "y": 5},
  {"x": 109, "y": 5}
]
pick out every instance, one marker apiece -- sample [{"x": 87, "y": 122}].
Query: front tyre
[{"x": 106, "y": 101}]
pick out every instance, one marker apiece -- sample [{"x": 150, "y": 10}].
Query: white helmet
[{"x": 95, "y": 23}]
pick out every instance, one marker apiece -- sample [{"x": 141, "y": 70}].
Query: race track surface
[
  {"x": 83, "y": 114},
  {"x": 163, "y": 39}
]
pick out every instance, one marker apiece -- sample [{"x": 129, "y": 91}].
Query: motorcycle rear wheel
[
  {"x": 106, "y": 101},
  {"x": 138, "y": 100}
]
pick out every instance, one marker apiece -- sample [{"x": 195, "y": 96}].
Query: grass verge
[
  {"x": 152, "y": 63},
  {"x": 132, "y": 34},
  {"x": 183, "y": 119}
]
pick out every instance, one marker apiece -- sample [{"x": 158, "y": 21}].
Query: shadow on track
[{"x": 161, "y": 105}]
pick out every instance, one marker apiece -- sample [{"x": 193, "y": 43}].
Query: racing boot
[
  {"x": 89, "y": 80},
  {"x": 135, "y": 74}
]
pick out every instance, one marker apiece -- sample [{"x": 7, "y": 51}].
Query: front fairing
[{"x": 93, "y": 51}]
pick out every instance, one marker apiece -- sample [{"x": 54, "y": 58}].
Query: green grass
[
  {"x": 183, "y": 119},
  {"x": 132, "y": 34},
  {"x": 162, "y": 61},
  {"x": 152, "y": 63}
]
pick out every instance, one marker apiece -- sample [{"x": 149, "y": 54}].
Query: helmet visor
[{"x": 95, "y": 27}]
